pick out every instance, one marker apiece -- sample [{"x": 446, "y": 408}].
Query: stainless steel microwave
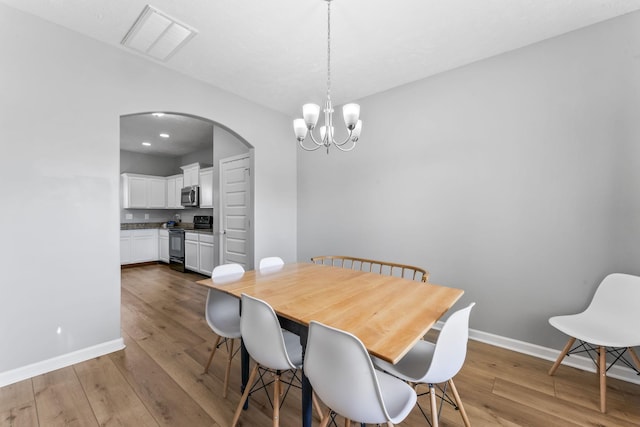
[{"x": 190, "y": 196}]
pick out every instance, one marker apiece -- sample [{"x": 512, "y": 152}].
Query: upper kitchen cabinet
[
  {"x": 174, "y": 185},
  {"x": 191, "y": 174},
  {"x": 143, "y": 191},
  {"x": 206, "y": 187}
]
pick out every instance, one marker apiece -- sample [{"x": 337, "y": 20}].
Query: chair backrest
[
  {"x": 272, "y": 261},
  {"x": 342, "y": 376},
  {"x": 220, "y": 307},
  {"x": 450, "y": 348},
  {"x": 262, "y": 335},
  {"x": 617, "y": 296},
  {"x": 372, "y": 266}
]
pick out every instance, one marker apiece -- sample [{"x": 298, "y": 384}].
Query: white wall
[
  {"x": 514, "y": 178},
  {"x": 62, "y": 98}
]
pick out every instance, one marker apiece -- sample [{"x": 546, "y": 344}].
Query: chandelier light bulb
[
  {"x": 300, "y": 129},
  {"x": 351, "y": 113}
]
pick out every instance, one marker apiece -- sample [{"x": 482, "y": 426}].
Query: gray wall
[
  {"x": 515, "y": 178},
  {"x": 62, "y": 98}
]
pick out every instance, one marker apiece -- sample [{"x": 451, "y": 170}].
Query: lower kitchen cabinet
[
  {"x": 138, "y": 246},
  {"x": 163, "y": 245},
  {"x": 205, "y": 253},
  {"x": 191, "y": 260},
  {"x": 198, "y": 252}
]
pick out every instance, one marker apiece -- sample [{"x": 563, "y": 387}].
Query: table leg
[{"x": 244, "y": 362}]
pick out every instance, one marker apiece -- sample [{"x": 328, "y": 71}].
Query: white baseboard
[
  {"x": 58, "y": 362},
  {"x": 584, "y": 363}
]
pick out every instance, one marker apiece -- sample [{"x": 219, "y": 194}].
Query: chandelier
[{"x": 311, "y": 112}]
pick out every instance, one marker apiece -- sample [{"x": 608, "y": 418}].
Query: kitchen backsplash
[{"x": 160, "y": 215}]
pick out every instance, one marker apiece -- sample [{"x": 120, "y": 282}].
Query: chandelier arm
[
  {"x": 339, "y": 147},
  {"x": 308, "y": 149},
  {"x": 345, "y": 141},
  {"x": 315, "y": 141}
]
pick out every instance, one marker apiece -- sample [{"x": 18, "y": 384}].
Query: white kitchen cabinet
[
  {"x": 191, "y": 174},
  {"x": 125, "y": 247},
  {"x": 198, "y": 252},
  {"x": 138, "y": 246},
  {"x": 205, "y": 253},
  {"x": 163, "y": 245},
  {"x": 206, "y": 187},
  {"x": 191, "y": 259},
  {"x": 157, "y": 192},
  {"x": 145, "y": 245},
  {"x": 143, "y": 191},
  {"x": 174, "y": 185}
]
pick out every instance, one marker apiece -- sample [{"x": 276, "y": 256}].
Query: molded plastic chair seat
[
  {"x": 436, "y": 363},
  {"x": 269, "y": 262},
  {"x": 222, "y": 312},
  {"x": 343, "y": 377},
  {"x": 269, "y": 346},
  {"x": 608, "y": 325}
]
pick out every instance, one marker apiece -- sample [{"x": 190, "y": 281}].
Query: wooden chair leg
[
  {"x": 316, "y": 404},
  {"x": 456, "y": 396},
  {"x": 603, "y": 379},
  {"x": 243, "y": 399},
  {"x": 434, "y": 405},
  {"x": 276, "y": 400},
  {"x": 215, "y": 347},
  {"x": 563, "y": 353},
  {"x": 634, "y": 356},
  {"x": 226, "y": 373},
  {"x": 347, "y": 422},
  {"x": 326, "y": 419}
]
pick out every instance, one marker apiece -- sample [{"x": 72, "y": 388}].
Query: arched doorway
[{"x": 161, "y": 145}]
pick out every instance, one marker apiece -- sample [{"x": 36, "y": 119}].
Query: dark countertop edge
[{"x": 186, "y": 226}]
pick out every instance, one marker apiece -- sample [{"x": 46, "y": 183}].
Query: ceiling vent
[{"x": 156, "y": 34}]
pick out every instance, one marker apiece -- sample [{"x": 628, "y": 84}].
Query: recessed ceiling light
[
  {"x": 157, "y": 114},
  {"x": 146, "y": 144},
  {"x": 164, "y": 135}
]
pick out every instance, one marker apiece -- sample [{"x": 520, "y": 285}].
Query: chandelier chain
[{"x": 328, "y": 48}]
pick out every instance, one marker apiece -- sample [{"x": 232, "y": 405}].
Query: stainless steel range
[{"x": 176, "y": 240}]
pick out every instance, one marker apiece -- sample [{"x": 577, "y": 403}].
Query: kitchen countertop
[{"x": 186, "y": 226}]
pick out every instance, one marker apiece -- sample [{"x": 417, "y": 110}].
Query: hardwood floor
[{"x": 158, "y": 381}]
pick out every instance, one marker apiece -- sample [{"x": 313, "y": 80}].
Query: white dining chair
[
  {"x": 608, "y": 325},
  {"x": 270, "y": 347},
  {"x": 342, "y": 376},
  {"x": 271, "y": 262},
  {"x": 222, "y": 312},
  {"x": 435, "y": 363}
]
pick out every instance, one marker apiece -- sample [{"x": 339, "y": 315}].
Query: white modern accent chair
[
  {"x": 436, "y": 363},
  {"x": 272, "y": 349},
  {"x": 609, "y": 325},
  {"x": 342, "y": 376},
  {"x": 271, "y": 262},
  {"x": 222, "y": 312}
]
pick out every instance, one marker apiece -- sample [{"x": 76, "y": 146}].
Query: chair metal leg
[
  {"x": 245, "y": 395},
  {"x": 456, "y": 396},
  {"x": 563, "y": 353},
  {"x": 603, "y": 379},
  {"x": 434, "y": 405},
  {"x": 215, "y": 347},
  {"x": 276, "y": 400},
  {"x": 226, "y": 374}
]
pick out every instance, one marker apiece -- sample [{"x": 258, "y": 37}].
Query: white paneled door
[{"x": 235, "y": 204}]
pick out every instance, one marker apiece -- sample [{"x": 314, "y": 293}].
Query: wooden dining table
[{"x": 388, "y": 314}]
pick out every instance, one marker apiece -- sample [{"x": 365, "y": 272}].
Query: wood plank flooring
[{"x": 158, "y": 381}]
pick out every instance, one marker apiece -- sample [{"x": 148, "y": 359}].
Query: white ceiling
[
  {"x": 186, "y": 134},
  {"x": 274, "y": 52}
]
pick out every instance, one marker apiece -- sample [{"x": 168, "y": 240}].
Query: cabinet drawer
[
  {"x": 146, "y": 232},
  {"x": 191, "y": 236},
  {"x": 125, "y": 234},
  {"x": 206, "y": 238},
  {"x": 163, "y": 233}
]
